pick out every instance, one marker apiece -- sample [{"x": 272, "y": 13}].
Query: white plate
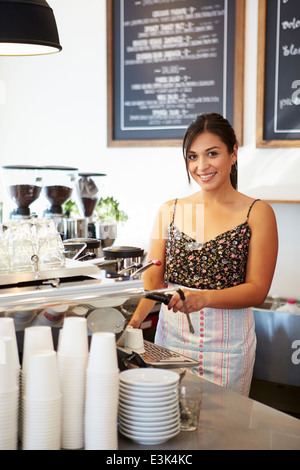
[
  {"x": 148, "y": 392},
  {"x": 148, "y": 400},
  {"x": 150, "y": 440},
  {"x": 149, "y": 431},
  {"x": 149, "y": 377},
  {"x": 149, "y": 426},
  {"x": 150, "y": 417},
  {"x": 153, "y": 416},
  {"x": 142, "y": 410},
  {"x": 149, "y": 407}
]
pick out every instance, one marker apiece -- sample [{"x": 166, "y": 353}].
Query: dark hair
[{"x": 215, "y": 124}]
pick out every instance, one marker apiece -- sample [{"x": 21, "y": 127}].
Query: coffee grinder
[
  {"x": 23, "y": 184},
  {"x": 89, "y": 186},
  {"x": 59, "y": 182}
]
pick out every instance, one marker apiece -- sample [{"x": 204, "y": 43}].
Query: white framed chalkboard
[
  {"x": 167, "y": 62},
  {"x": 278, "y": 74}
]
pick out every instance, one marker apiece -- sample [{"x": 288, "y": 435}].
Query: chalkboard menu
[
  {"x": 278, "y": 107},
  {"x": 169, "y": 61}
]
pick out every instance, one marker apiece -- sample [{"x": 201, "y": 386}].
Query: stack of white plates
[{"x": 149, "y": 405}]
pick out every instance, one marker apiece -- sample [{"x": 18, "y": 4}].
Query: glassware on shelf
[{"x": 26, "y": 242}]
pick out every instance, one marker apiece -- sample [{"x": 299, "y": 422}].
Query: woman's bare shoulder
[
  {"x": 255, "y": 205},
  {"x": 261, "y": 214},
  {"x": 261, "y": 207}
]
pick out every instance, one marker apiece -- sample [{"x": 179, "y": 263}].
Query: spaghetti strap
[
  {"x": 251, "y": 208},
  {"x": 175, "y": 203}
]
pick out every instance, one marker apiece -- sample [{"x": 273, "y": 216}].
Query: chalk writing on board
[
  {"x": 287, "y": 71},
  {"x": 173, "y": 62}
]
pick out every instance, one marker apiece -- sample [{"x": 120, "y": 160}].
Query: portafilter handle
[
  {"x": 159, "y": 297},
  {"x": 165, "y": 299},
  {"x": 128, "y": 268},
  {"x": 143, "y": 268}
]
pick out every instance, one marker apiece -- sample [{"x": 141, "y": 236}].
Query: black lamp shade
[{"x": 27, "y": 27}]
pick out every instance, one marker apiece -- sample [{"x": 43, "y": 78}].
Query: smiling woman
[
  {"x": 216, "y": 125},
  {"x": 219, "y": 247},
  {"x": 208, "y": 159}
]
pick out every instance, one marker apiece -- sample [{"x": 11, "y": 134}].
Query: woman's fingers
[
  {"x": 192, "y": 302},
  {"x": 175, "y": 303}
]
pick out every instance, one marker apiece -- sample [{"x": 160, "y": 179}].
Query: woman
[{"x": 220, "y": 247}]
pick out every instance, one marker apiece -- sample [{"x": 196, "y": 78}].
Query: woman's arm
[{"x": 261, "y": 264}]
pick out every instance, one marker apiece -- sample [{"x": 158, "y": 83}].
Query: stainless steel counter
[{"x": 230, "y": 421}]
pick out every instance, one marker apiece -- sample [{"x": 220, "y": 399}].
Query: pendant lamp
[{"x": 27, "y": 27}]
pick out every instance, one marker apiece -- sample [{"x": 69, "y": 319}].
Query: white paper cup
[
  {"x": 36, "y": 338},
  {"x": 134, "y": 340},
  {"x": 73, "y": 380},
  {"x": 103, "y": 353},
  {"x": 8, "y": 376},
  {"x": 42, "y": 381},
  {"x": 42, "y": 425},
  {"x": 9, "y": 414},
  {"x": 7, "y": 328},
  {"x": 73, "y": 339},
  {"x": 100, "y": 429}
]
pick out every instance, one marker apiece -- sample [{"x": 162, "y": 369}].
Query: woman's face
[{"x": 209, "y": 161}]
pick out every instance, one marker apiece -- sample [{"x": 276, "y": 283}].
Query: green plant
[
  {"x": 108, "y": 210},
  {"x": 70, "y": 208}
]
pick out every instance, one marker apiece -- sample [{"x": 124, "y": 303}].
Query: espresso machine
[
  {"x": 58, "y": 185},
  {"x": 23, "y": 184}
]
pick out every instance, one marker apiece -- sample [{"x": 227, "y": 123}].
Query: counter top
[{"x": 230, "y": 421}]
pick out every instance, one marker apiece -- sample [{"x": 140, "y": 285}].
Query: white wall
[{"x": 53, "y": 111}]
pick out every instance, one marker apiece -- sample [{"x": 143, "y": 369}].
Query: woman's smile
[{"x": 207, "y": 177}]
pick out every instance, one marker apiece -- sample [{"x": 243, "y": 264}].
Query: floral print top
[{"x": 216, "y": 264}]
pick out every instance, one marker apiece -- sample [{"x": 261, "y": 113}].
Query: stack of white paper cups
[
  {"x": 41, "y": 420},
  {"x": 9, "y": 396},
  {"x": 36, "y": 338},
  {"x": 102, "y": 392},
  {"x": 72, "y": 363},
  {"x": 7, "y": 328}
]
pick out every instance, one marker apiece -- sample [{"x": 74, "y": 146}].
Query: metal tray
[{"x": 72, "y": 269}]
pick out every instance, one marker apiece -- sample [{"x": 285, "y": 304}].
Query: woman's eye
[
  {"x": 212, "y": 154},
  {"x": 192, "y": 157}
]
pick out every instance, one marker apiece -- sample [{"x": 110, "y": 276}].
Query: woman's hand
[
  {"x": 135, "y": 322},
  {"x": 195, "y": 300}
]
